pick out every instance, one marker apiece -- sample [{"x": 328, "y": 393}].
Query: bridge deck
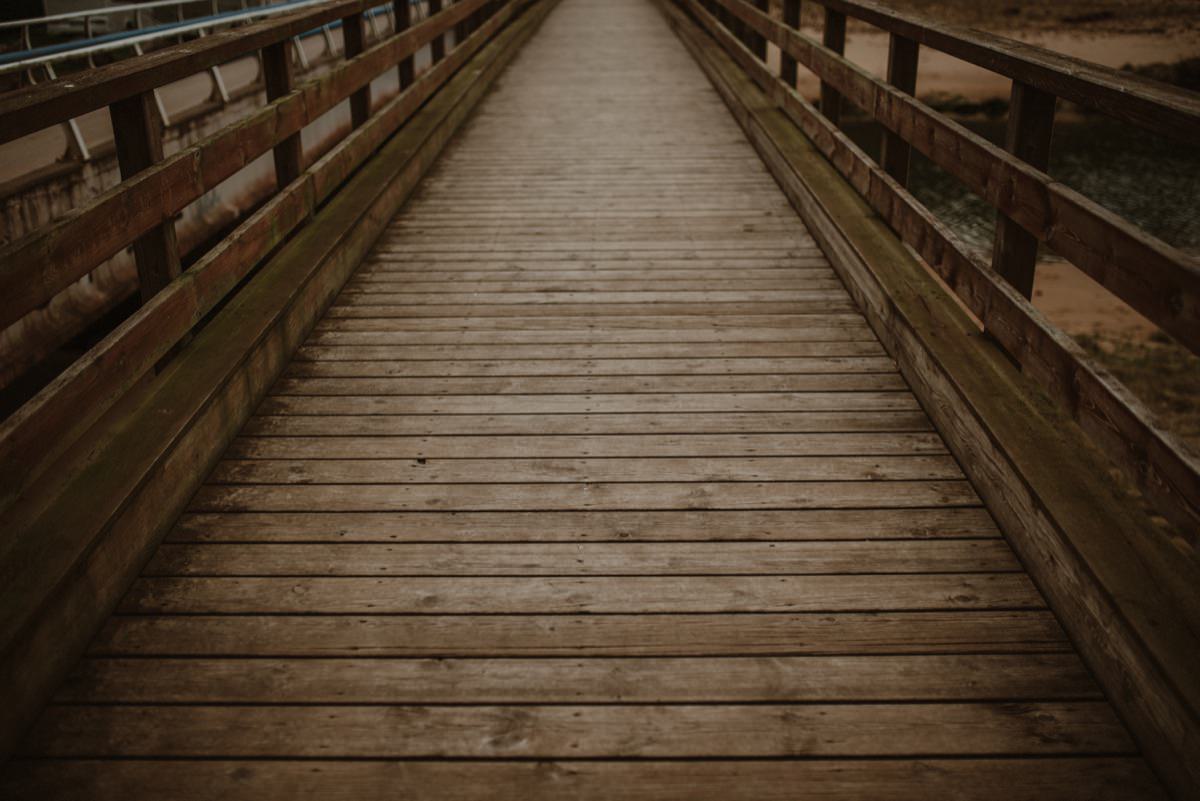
[{"x": 594, "y": 477}]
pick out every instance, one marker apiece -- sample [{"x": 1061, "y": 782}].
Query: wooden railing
[
  {"x": 140, "y": 210},
  {"x": 1154, "y": 278}
]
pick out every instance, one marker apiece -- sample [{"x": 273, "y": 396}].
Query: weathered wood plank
[
  {"x": 647, "y": 469},
  {"x": 1005, "y": 779},
  {"x": 580, "y": 446},
  {"x": 677, "y": 403},
  {"x": 627, "y": 422},
  {"x": 843, "y": 633},
  {"x": 549, "y": 595},
  {"x": 870, "y": 377},
  {"x": 680, "y": 731},
  {"x": 968, "y": 677},
  {"x": 574, "y": 559},
  {"x": 792, "y": 525}
]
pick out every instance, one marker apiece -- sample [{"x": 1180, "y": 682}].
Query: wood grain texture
[
  {"x": 1007, "y": 779},
  {"x": 998, "y": 420},
  {"x": 593, "y": 460}
]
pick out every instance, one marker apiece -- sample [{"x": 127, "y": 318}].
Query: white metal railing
[{"x": 77, "y": 147}]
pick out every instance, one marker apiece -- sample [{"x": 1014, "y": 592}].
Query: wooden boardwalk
[{"x": 593, "y": 483}]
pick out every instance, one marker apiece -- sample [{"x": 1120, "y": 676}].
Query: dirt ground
[{"x": 1075, "y": 16}]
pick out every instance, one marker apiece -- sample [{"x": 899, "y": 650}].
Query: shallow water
[{"x": 1149, "y": 180}]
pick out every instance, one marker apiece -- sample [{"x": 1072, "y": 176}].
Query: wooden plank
[
  {"x": 869, "y": 377},
  {"x": 571, "y": 471},
  {"x": 579, "y": 446},
  {"x": 644, "y": 595},
  {"x": 1005, "y": 779},
  {"x": 549, "y": 352},
  {"x": 742, "y": 368},
  {"x": 432, "y": 635},
  {"x": 627, "y": 422},
  {"x": 771, "y": 525},
  {"x": 594, "y": 310},
  {"x": 678, "y": 731},
  {"x": 677, "y": 403},
  {"x": 137, "y": 137},
  {"x": 599, "y": 496},
  {"x": 969, "y": 677},
  {"x": 573, "y": 559}
]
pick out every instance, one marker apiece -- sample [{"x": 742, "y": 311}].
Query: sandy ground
[{"x": 1078, "y": 305}]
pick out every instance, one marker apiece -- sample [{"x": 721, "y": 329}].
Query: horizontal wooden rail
[
  {"x": 34, "y": 108},
  {"x": 1121, "y": 95},
  {"x": 1126, "y": 595},
  {"x": 83, "y": 533},
  {"x": 36, "y": 268},
  {"x": 1119, "y": 423},
  {"x": 1158, "y": 280},
  {"x": 45, "y": 426}
]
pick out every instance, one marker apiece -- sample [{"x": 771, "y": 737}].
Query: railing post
[
  {"x": 277, "y": 75},
  {"x": 462, "y": 29},
  {"x": 438, "y": 46},
  {"x": 137, "y": 134},
  {"x": 1030, "y": 131},
  {"x": 787, "y": 64},
  {"x": 834, "y": 39},
  {"x": 354, "y": 39},
  {"x": 403, "y": 14},
  {"x": 895, "y": 155},
  {"x": 757, "y": 42}
]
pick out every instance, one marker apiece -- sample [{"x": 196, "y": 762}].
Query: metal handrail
[
  {"x": 138, "y": 38},
  {"x": 99, "y": 11}
]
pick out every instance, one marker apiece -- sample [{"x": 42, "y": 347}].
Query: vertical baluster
[
  {"x": 461, "y": 29},
  {"x": 787, "y": 64},
  {"x": 403, "y": 12},
  {"x": 834, "y": 39},
  {"x": 757, "y": 42},
  {"x": 903, "y": 54},
  {"x": 1030, "y": 131},
  {"x": 277, "y": 75},
  {"x": 137, "y": 133},
  {"x": 438, "y": 45},
  {"x": 354, "y": 39}
]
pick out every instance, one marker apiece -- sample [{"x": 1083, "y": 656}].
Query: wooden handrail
[
  {"x": 45, "y": 426},
  {"x": 1157, "y": 463},
  {"x": 1158, "y": 280},
  {"x": 37, "y": 267},
  {"x": 1121, "y": 95},
  {"x": 34, "y": 108}
]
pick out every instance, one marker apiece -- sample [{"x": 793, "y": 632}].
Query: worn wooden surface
[
  {"x": 548, "y": 493},
  {"x": 1122, "y": 591},
  {"x": 1115, "y": 419}
]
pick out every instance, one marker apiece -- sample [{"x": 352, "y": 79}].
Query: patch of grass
[
  {"x": 1162, "y": 373},
  {"x": 1165, "y": 376}
]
